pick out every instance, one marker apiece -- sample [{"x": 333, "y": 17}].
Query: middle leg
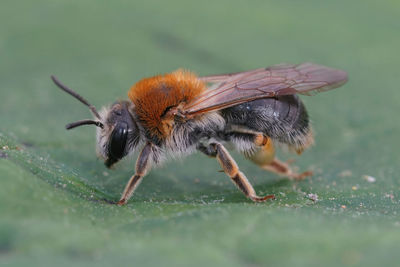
[{"x": 230, "y": 167}]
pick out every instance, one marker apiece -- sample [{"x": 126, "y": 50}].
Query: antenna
[
  {"x": 76, "y": 95},
  {"x": 72, "y": 125},
  {"x": 82, "y": 100}
]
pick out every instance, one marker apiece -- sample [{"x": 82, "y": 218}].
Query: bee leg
[
  {"x": 142, "y": 166},
  {"x": 283, "y": 169},
  {"x": 230, "y": 167},
  {"x": 265, "y": 158}
]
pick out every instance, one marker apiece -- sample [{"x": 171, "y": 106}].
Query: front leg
[
  {"x": 142, "y": 166},
  {"x": 230, "y": 167}
]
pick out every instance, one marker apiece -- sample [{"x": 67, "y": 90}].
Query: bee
[{"x": 178, "y": 113}]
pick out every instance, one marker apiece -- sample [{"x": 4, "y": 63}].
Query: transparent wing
[{"x": 284, "y": 79}]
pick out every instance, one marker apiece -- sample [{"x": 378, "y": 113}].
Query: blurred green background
[{"x": 52, "y": 187}]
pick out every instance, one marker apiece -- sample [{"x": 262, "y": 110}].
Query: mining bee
[{"x": 178, "y": 113}]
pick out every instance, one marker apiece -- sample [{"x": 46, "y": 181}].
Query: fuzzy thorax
[{"x": 154, "y": 96}]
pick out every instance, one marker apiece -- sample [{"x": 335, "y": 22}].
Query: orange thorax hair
[{"x": 155, "y": 95}]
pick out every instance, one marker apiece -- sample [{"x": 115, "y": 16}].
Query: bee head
[
  {"x": 120, "y": 134},
  {"x": 117, "y": 133}
]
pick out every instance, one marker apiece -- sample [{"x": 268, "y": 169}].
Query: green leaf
[{"x": 55, "y": 195}]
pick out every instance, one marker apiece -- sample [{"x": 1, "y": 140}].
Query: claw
[
  {"x": 121, "y": 202},
  {"x": 262, "y": 199}
]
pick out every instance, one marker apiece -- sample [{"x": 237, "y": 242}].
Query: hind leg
[
  {"x": 265, "y": 158},
  {"x": 283, "y": 169}
]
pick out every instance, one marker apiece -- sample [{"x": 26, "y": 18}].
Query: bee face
[{"x": 120, "y": 134}]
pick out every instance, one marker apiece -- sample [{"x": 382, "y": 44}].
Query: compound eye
[{"x": 118, "y": 140}]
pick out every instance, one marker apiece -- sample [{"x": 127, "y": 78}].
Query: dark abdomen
[{"x": 283, "y": 118}]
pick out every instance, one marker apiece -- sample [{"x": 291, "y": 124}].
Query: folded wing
[{"x": 284, "y": 79}]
